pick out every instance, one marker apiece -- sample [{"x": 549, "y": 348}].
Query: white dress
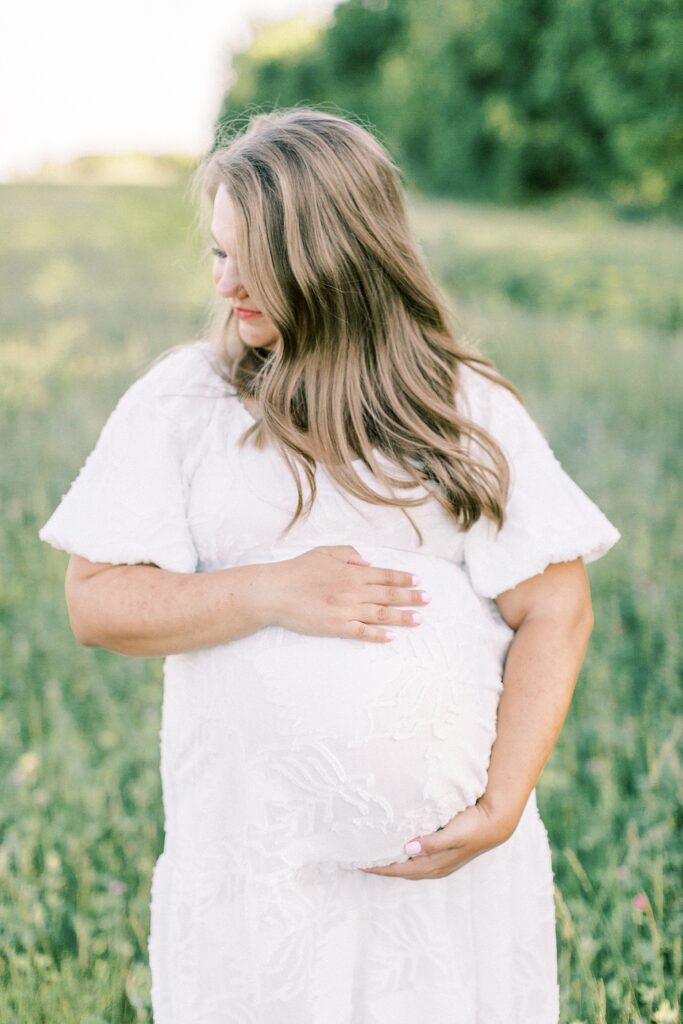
[{"x": 287, "y": 761}]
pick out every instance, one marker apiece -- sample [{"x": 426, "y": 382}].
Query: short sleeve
[
  {"x": 548, "y": 517},
  {"x": 127, "y": 505}
]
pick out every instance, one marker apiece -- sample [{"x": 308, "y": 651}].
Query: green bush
[{"x": 506, "y": 100}]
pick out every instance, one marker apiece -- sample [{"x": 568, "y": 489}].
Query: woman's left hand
[{"x": 471, "y": 832}]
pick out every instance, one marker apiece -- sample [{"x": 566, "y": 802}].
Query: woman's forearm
[
  {"x": 150, "y": 612},
  {"x": 541, "y": 670}
]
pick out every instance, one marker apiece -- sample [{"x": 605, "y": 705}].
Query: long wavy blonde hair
[{"x": 366, "y": 356}]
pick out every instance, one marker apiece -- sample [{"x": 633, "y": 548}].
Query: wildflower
[
  {"x": 666, "y": 1014},
  {"x": 26, "y": 768}
]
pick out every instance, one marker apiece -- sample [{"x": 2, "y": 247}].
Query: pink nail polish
[
  {"x": 417, "y": 580},
  {"x": 413, "y": 847}
]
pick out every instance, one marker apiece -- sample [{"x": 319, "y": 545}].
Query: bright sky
[{"x": 77, "y": 76}]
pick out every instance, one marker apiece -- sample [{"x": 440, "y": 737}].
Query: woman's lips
[{"x": 247, "y": 314}]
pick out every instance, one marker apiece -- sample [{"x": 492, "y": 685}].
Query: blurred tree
[{"x": 496, "y": 99}]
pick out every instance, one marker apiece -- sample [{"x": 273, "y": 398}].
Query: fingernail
[
  {"x": 426, "y": 597},
  {"x": 414, "y": 846},
  {"x": 389, "y": 634},
  {"x": 417, "y": 580},
  {"x": 415, "y": 618}
]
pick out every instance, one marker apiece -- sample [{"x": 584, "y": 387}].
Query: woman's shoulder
[
  {"x": 181, "y": 390},
  {"x": 480, "y": 397},
  {"x": 184, "y": 370},
  {"x": 497, "y": 409}
]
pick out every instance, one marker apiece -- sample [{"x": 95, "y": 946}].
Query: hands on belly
[
  {"x": 470, "y": 833},
  {"x": 331, "y": 590}
]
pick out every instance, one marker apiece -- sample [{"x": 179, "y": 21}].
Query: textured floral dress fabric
[{"x": 289, "y": 761}]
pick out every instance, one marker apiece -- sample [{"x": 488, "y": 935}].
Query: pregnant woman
[{"x": 365, "y": 568}]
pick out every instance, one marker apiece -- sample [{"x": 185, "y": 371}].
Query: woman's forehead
[{"x": 223, "y": 217}]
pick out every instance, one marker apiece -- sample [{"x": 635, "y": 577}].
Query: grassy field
[{"x": 584, "y": 314}]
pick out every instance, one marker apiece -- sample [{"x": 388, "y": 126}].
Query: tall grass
[{"x": 584, "y": 314}]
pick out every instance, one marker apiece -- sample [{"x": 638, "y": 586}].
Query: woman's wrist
[
  {"x": 267, "y": 592},
  {"x": 503, "y": 812}
]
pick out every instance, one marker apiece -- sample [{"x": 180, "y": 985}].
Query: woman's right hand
[{"x": 332, "y": 591}]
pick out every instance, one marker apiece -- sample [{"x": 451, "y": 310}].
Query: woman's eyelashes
[{"x": 218, "y": 252}]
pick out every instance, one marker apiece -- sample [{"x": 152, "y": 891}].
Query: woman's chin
[{"x": 255, "y": 338}]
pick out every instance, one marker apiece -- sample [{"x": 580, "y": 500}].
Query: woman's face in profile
[{"x": 254, "y": 328}]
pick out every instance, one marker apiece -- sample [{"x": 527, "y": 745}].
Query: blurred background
[{"x": 542, "y": 149}]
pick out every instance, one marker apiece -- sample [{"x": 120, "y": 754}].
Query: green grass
[{"x": 583, "y": 313}]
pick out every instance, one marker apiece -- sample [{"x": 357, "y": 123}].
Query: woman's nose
[{"x": 229, "y": 285}]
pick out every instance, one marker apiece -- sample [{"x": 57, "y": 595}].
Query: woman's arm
[
  {"x": 553, "y": 619},
  {"x": 151, "y": 612}
]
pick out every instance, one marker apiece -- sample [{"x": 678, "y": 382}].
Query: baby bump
[{"x": 340, "y": 750}]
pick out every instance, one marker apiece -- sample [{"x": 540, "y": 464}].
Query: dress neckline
[
  {"x": 252, "y": 419},
  {"x": 360, "y": 464},
  {"x": 244, "y": 409}
]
